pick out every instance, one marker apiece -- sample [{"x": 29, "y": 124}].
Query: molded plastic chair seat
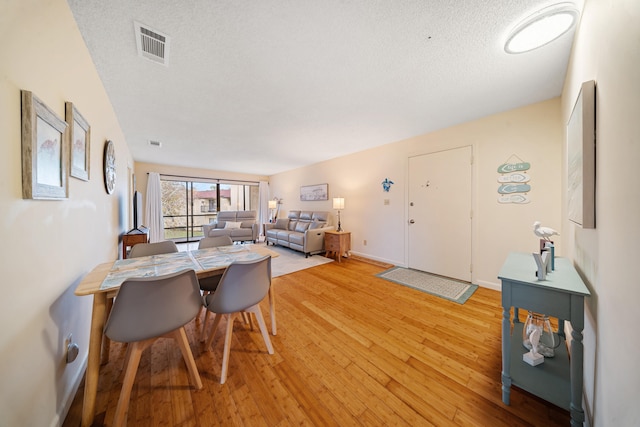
[
  {"x": 146, "y": 309},
  {"x": 243, "y": 285},
  {"x": 209, "y": 284},
  {"x": 140, "y": 250},
  {"x": 214, "y": 242},
  {"x": 147, "y": 249}
]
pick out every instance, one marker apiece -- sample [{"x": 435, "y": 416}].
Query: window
[{"x": 187, "y": 205}]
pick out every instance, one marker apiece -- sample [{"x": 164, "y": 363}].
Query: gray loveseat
[
  {"x": 241, "y": 226},
  {"x": 301, "y": 230}
]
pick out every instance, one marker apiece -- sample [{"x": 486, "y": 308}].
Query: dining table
[{"x": 103, "y": 283}]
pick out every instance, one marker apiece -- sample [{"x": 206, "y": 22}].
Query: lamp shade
[
  {"x": 272, "y": 204},
  {"x": 338, "y": 203}
]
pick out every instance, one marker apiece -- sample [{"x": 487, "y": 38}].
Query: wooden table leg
[
  {"x": 93, "y": 363},
  {"x": 272, "y": 309},
  {"x": 106, "y": 342}
]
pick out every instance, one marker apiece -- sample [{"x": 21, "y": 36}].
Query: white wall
[
  {"x": 607, "y": 50},
  {"x": 534, "y": 133},
  {"x": 48, "y": 246}
]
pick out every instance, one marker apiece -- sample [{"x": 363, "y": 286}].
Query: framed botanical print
[
  {"x": 79, "y": 133},
  {"x": 45, "y": 156}
]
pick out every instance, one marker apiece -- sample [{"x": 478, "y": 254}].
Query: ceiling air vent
[
  {"x": 155, "y": 143},
  {"x": 152, "y": 44}
]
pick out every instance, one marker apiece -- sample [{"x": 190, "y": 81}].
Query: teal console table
[{"x": 559, "y": 379}]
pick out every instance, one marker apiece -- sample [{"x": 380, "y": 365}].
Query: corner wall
[
  {"x": 48, "y": 246},
  {"x": 533, "y": 133},
  {"x": 607, "y": 50}
]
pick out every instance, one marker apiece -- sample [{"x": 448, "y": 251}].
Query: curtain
[
  {"x": 153, "y": 208},
  {"x": 263, "y": 204}
]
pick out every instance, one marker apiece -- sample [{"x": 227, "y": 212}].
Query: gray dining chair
[
  {"x": 242, "y": 286},
  {"x": 148, "y": 308},
  {"x": 140, "y": 250},
  {"x": 209, "y": 284},
  {"x": 214, "y": 242},
  {"x": 147, "y": 249}
]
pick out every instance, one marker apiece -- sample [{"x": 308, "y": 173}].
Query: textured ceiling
[{"x": 268, "y": 86}]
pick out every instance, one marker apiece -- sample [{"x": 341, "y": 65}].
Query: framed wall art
[
  {"x": 45, "y": 155},
  {"x": 314, "y": 192},
  {"x": 581, "y": 158},
  {"x": 79, "y": 142}
]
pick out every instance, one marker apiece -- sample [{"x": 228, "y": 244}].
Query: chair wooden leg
[
  {"x": 272, "y": 309},
  {"x": 216, "y": 322},
  {"x": 227, "y": 348},
  {"x": 204, "y": 325},
  {"x": 181, "y": 338},
  {"x": 135, "y": 352},
  {"x": 263, "y": 327},
  {"x": 247, "y": 319}
]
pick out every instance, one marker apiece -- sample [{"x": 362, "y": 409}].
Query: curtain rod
[{"x": 206, "y": 178}]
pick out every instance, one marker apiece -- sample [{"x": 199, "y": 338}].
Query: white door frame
[{"x": 474, "y": 183}]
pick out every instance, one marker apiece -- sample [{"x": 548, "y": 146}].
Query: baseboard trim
[
  {"x": 489, "y": 285},
  {"x": 371, "y": 261},
  {"x": 67, "y": 400},
  {"x": 381, "y": 262}
]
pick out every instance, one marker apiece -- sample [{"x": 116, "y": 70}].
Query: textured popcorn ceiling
[{"x": 266, "y": 86}]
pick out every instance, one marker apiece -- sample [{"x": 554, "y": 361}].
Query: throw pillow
[
  {"x": 302, "y": 226},
  {"x": 230, "y": 225},
  {"x": 281, "y": 223}
]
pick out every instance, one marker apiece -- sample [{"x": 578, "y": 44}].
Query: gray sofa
[
  {"x": 301, "y": 230},
  {"x": 241, "y": 226}
]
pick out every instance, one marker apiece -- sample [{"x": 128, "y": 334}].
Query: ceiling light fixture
[{"x": 541, "y": 28}]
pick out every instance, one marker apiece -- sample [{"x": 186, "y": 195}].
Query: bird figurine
[{"x": 544, "y": 232}]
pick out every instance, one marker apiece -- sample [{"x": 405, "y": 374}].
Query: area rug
[
  {"x": 443, "y": 287},
  {"x": 291, "y": 261}
]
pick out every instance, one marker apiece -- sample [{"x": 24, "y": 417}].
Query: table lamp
[
  {"x": 338, "y": 203},
  {"x": 273, "y": 204}
]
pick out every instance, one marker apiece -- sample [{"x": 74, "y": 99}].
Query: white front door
[{"x": 440, "y": 213}]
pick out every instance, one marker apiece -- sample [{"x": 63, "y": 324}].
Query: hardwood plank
[{"x": 351, "y": 349}]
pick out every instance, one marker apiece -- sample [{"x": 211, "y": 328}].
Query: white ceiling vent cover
[{"x": 152, "y": 44}]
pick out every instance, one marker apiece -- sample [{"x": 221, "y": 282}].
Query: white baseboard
[
  {"x": 375, "y": 258},
  {"x": 489, "y": 285},
  {"x": 67, "y": 400}
]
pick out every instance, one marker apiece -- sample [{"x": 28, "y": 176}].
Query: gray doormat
[{"x": 443, "y": 287}]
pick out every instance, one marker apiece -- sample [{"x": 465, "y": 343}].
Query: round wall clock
[{"x": 109, "y": 167}]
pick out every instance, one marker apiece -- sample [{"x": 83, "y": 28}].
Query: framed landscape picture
[
  {"x": 45, "y": 158},
  {"x": 581, "y": 158},
  {"x": 79, "y": 142},
  {"x": 314, "y": 192}
]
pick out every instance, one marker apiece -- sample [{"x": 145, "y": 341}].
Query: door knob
[{"x": 411, "y": 221}]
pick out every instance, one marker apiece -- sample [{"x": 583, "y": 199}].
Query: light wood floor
[{"x": 351, "y": 349}]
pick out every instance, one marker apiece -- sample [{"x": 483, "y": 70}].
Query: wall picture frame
[
  {"x": 79, "y": 133},
  {"x": 316, "y": 192},
  {"x": 581, "y": 158},
  {"x": 45, "y": 155}
]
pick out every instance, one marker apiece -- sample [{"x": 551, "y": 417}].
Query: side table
[
  {"x": 337, "y": 243},
  {"x": 133, "y": 238},
  {"x": 559, "y": 379}
]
